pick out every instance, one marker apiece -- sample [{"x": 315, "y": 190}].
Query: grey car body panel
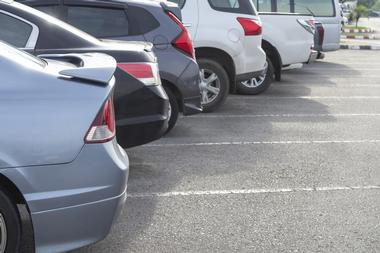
[
  {"x": 74, "y": 204},
  {"x": 74, "y": 191},
  {"x": 26, "y": 135}
]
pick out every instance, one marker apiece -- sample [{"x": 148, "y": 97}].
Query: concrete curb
[
  {"x": 359, "y": 37},
  {"x": 360, "y": 47},
  {"x": 358, "y": 30}
]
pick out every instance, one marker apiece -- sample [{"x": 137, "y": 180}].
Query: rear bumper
[
  {"x": 247, "y": 76},
  {"x": 191, "y": 106},
  {"x": 139, "y": 130},
  {"x": 141, "y": 112},
  {"x": 313, "y": 56},
  {"x": 251, "y": 58},
  {"x": 77, "y": 226},
  {"x": 181, "y": 72},
  {"x": 188, "y": 83},
  {"x": 75, "y": 204}
]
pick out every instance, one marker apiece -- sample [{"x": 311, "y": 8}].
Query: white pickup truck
[{"x": 285, "y": 42}]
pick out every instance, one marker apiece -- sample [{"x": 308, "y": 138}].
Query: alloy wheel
[
  {"x": 209, "y": 86},
  {"x": 169, "y": 111},
  {"x": 3, "y": 234},
  {"x": 257, "y": 81}
]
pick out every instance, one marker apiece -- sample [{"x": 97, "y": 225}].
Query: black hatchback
[{"x": 141, "y": 103}]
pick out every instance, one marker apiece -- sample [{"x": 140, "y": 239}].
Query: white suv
[{"x": 227, "y": 38}]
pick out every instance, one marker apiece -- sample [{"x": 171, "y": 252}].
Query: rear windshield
[
  {"x": 19, "y": 56},
  {"x": 234, "y": 6},
  {"x": 320, "y": 8}
]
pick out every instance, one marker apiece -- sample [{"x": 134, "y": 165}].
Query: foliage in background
[
  {"x": 376, "y": 6},
  {"x": 359, "y": 12},
  {"x": 367, "y": 3}
]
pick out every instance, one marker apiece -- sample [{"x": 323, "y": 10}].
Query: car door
[
  {"x": 190, "y": 15},
  {"x": 102, "y": 20}
]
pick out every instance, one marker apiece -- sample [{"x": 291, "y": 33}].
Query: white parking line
[
  {"x": 303, "y": 97},
  {"x": 319, "y": 85},
  {"x": 370, "y": 68},
  {"x": 252, "y": 191},
  {"x": 259, "y": 143},
  {"x": 316, "y": 115}
]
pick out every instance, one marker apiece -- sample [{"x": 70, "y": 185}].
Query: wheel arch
[
  {"x": 221, "y": 57},
  {"x": 12, "y": 190},
  {"x": 274, "y": 56},
  {"x": 169, "y": 85}
]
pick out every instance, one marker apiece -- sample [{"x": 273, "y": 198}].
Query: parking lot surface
[{"x": 293, "y": 170}]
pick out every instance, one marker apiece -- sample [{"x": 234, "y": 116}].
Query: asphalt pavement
[{"x": 293, "y": 170}]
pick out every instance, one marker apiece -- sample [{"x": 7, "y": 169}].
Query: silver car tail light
[{"x": 103, "y": 127}]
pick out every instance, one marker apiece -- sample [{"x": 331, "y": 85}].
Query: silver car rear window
[{"x": 20, "y": 56}]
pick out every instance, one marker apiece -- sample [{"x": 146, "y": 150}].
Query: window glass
[
  {"x": 14, "y": 31},
  {"x": 283, "y": 6},
  {"x": 264, "y": 5},
  {"x": 141, "y": 21},
  {"x": 99, "y": 22},
  {"x": 20, "y": 56},
  {"x": 180, "y": 3},
  {"x": 234, "y": 6},
  {"x": 320, "y": 8},
  {"x": 52, "y": 10}
]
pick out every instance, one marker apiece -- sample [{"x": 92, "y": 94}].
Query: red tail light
[
  {"x": 183, "y": 42},
  {"x": 250, "y": 26},
  {"x": 147, "y": 73},
  {"x": 321, "y": 33},
  {"x": 103, "y": 128}
]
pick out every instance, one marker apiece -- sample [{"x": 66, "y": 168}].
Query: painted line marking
[
  {"x": 327, "y": 86},
  {"x": 354, "y": 68},
  {"x": 259, "y": 143},
  {"x": 252, "y": 191},
  {"x": 283, "y": 115},
  {"x": 303, "y": 97}
]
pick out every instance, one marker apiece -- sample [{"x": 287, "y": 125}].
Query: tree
[
  {"x": 376, "y": 6},
  {"x": 360, "y": 11},
  {"x": 366, "y": 3}
]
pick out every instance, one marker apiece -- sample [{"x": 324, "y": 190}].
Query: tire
[
  {"x": 259, "y": 84},
  {"x": 10, "y": 217},
  {"x": 215, "y": 92},
  {"x": 174, "y": 110}
]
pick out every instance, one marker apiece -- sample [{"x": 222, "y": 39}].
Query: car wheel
[
  {"x": 10, "y": 225},
  {"x": 173, "y": 110},
  {"x": 214, "y": 86},
  {"x": 259, "y": 84}
]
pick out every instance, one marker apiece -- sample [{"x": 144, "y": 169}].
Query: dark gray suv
[{"x": 150, "y": 21}]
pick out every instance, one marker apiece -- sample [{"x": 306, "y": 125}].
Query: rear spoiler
[
  {"x": 95, "y": 67},
  {"x": 173, "y": 8}
]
